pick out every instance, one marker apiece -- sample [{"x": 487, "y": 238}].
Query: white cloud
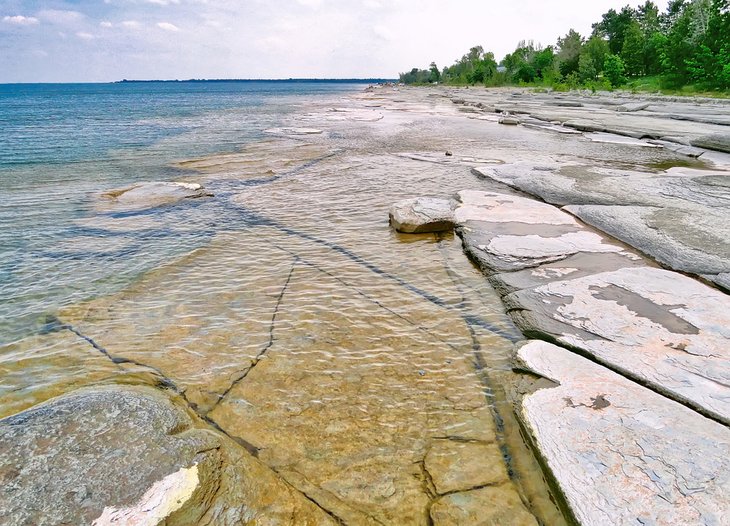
[
  {"x": 163, "y": 2},
  {"x": 83, "y": 35},
  {"x": 131, "y": 24},
  {"x": 106, "y": 24},
  {"x": 61, "y": 16},
  {"x": 167, "y": 26},
  {"x": 20, "y": 20}
]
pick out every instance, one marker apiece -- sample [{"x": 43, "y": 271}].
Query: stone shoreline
[
  {"x": 635, "y": 427},
  {"x": 291, "y": 374}
]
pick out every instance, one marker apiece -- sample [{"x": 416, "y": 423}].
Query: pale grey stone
[
  {"x": 423, "y": 214},
  {"x": 658, "y": 327},
  {"x": 151, "y": 194},
  {"x": 719, "y": 142},
  {"x": 678, "y": 238},
  {"x": 622, "y": 454}
]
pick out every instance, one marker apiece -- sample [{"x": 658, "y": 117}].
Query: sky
[{"x": 107, "y": 40}]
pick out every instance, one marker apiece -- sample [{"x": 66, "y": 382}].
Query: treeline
[{"x": 689, "y": 43}]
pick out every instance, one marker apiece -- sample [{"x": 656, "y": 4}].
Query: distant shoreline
[
  {"x": 328, "y": 81},
  {"x": 213, "y": 81}
]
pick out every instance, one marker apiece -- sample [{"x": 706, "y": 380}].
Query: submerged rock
[
  {"x": 621, "y": 453},
  {"x": 130, "y": 455},
  {"x": 423, "y": 214},
  {"x": 151, "y": 194},
  {"x": 490, "y": 506}
]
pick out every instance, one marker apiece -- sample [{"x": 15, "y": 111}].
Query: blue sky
[{"x": 103, "y": 40}]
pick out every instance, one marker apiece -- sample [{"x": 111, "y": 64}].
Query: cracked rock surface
[
  {"x": 621, "y": 453},
  {"x": 655, "y": 326}
]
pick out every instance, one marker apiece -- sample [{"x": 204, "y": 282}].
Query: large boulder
[
  {"x": 423, "y": 214},
  {"x": 134, "y": 455},
  {"x": 152, "y": 194}
]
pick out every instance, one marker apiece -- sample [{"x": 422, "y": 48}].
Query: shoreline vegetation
[{"x": 682, "y": 51}]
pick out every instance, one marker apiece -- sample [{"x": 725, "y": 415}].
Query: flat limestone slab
[
  {"x": 151, "y": 194},
  {"x": 678, "y": 216},
  {"x": 678, "y": 238},
  {"x": 621, "y": 453},
  {"x": 508, "y": 233},
  {"x": 655, "y": 326}
]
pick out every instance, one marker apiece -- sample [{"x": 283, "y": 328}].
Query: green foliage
[
  {"x": 632, "y": 52},
  {"x": 435, "y": 75},
  {"x": 614, "y": 69},
  {"x": 686, "y": 47},
  {"x": 586, "y": 68},
  {"x": 569, "y": 48},
  {"x": 613, "y": 26}
]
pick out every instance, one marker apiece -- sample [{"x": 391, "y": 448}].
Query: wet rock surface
[
  {"x": 133, "y": 456},
  {"x": 678, "y": 217},
  {"x": 151, "y": 194},
  {"x": 622, "y": 453},
  {"x": 655, "y": 326}
]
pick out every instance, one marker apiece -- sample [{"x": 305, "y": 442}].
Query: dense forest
[{"x": 687, "y": 45}]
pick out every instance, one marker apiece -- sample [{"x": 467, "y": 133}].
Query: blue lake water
[{"x": 62, "y": 143}]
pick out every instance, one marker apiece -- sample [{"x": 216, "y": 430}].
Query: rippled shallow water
[
  {"x": 359, "y": 364},
  {"x": 63, "y": 143}
]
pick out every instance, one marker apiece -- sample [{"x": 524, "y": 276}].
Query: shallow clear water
[
  {"x": 284, "y": 309},
  {"x": 61, "y": 144}
]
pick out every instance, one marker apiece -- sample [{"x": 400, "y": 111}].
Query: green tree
[
  {"x": 543, "y": 62},
  {"x": 632, "y": 52},
  {"x": 614, "y": 69},
  {"x": 613, "y": 26},
  {"x": 568, "y": 56},
  {"x": 653, "y": 53},
  {"x": 435, "y": 75},
  {"x": 597, "y": 48},
  {"x": 586, "y": 68}
]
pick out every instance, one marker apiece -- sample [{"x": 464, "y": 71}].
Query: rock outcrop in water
[
  {"x": 421, "y": 215},
  {"x": 151, "y": 194}
]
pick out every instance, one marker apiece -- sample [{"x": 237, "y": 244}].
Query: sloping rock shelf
[{"x": 636, "y": 431}]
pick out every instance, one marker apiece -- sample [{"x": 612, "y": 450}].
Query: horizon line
[{"x": 291, "y": 79}]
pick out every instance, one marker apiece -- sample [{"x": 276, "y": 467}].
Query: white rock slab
[
  {"x": 507, "y": 233},
  {"x": 656, "y": 326},
  {"x": 621, "y": 453},
  {"x": 494, "y": 207}
]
